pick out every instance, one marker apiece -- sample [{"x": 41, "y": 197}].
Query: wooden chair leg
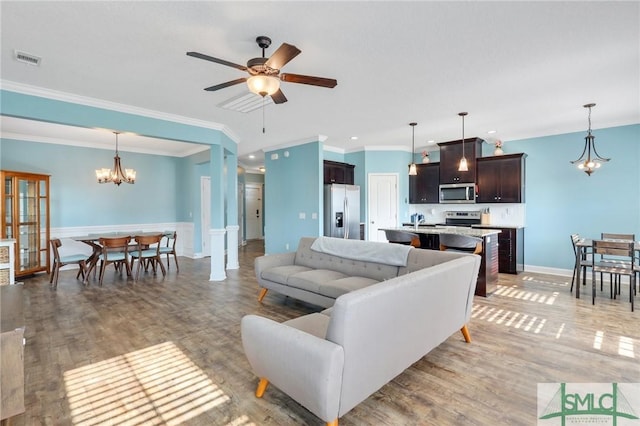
[
  {"x": 263, "y": 293},
  {"x": 262, "y": 386},
  {"x": 465, "y": 333}
]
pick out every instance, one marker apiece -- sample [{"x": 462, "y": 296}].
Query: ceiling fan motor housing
[{"x": 256, "y": 66}]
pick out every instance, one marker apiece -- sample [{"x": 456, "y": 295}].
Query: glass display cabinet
[{"x": 25, "y": 218}]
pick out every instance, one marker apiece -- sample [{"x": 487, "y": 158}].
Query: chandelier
[
  {"x": 116, "y": 175},
  {"x": 412, "y": 167},
  {"x": 589, "y": 164}
]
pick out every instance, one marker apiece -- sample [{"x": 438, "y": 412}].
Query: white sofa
[{"x": 332, "y": 360}]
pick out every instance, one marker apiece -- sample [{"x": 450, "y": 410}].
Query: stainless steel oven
[
  {"x": 458, "y": 193},
  {"x": 464, "y": 218}
]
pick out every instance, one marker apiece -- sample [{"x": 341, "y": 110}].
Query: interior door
[
  {"x": 253, "y": 195},
  {"x": 382, "y": 204}
]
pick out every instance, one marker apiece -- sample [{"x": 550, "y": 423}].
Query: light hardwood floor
[{"x": 168, "y": 351}]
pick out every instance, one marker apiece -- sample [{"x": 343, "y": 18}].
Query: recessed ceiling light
[
  {"x": 491, "y": 132},
  {"x": 431, "y": 142},
  {"x": 252, "y": 156},
  {"x": 354, "y": 138}
]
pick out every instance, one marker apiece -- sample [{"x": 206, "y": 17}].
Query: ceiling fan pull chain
[{"x": 263, "y": 115}]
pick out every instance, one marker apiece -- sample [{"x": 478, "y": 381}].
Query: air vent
[
  {"x": 27, "y": 58},
  {"x": 245, "y": 102}
]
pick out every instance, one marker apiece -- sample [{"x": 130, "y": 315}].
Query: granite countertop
[{"x": 471, "y": 232}]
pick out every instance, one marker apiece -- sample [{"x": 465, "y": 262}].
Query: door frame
[
  {"x": 260, "y": 186},
  {"x": 370, "y": 206}
]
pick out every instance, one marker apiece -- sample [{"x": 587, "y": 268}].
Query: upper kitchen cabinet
[
  {"x": 501, "y": 179},
  {"x": 423, "y": 188},
  {"x": 336, "y": 172},
  {"x": 25, "y": 218},
  {"x": 450, "y": 155}
]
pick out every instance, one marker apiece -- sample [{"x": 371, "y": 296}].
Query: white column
[
  {"x": 232, "y": 247},
  {"x": 217, "y": 255}
]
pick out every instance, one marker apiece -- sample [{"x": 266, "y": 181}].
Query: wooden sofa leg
[
  {"x": 465, "y": 333},
  {"x": 263, "y": 293},
  {"x": 262, "y": 386},
  {"x": 333, "y": 423}
]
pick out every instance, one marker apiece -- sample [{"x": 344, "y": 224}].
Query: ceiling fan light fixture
[{"x": 263, "y": 85}]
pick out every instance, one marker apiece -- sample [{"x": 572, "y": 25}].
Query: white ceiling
[{"x": 522, "y": 68}]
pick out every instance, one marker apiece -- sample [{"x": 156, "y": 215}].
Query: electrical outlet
[{"x": 286, "y": 246}]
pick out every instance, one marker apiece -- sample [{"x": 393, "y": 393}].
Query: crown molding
[
  {"x": 318, "y": 138},
  {"x": 105, "y": 146},
  {"x": 42, "y": 92}
]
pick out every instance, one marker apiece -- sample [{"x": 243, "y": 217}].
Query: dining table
[
  {"x": 93, "y": 240},
  {"x": 582, "y": 249}
]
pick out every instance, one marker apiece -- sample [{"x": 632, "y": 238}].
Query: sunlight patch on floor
[
  {"x": 155, "y": 385},
  {"x": 625, "y": 347},
  {"x": 508, "y": 318},
  {"x": 517, "y": 293}
]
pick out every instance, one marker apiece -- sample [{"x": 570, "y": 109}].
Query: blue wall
[
  {"x": 561, "y": 200},
  {"x": 78, "y": 200},
  {"x": 293, "y": 185}
]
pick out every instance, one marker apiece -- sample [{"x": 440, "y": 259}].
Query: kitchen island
[{"x": 488, "y": 275}]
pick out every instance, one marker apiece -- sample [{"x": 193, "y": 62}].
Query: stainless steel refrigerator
[{"x": 342, "y": 211}]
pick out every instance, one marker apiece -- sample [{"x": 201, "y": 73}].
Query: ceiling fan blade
[
  {"x": 216, "y": 60},
  {"x": 284, "y": 54},
  {"x": 227, "y": 84},
  {"x": 279, "y": 97},
  {"x": 307, "y": 79}
]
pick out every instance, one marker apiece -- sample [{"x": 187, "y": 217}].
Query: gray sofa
[
  {"x": 322, "y": 269},
  {"x": 332, "y": 360}
]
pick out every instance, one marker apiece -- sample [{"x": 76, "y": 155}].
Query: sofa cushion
[
  {"x": 281, "y": 274},
  {"x": 341, "y": 286},
  {"x": 316, "y": 324},
  {"x": 311, "y": 280}
]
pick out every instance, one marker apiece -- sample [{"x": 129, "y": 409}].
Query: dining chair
[
  {"x": 402, "y": 237},
  {"x": 147, "y": 251},
  {"x": 611, "y": 236},
  {"x": 620, "y": 260},
  {"x": 457, "y": 242},
  {"x": 114, "y": 250},
  {"x": 170, "y": 247},
  {"x": 60, "y": 261},
  {"x": 586, "y": 260}
]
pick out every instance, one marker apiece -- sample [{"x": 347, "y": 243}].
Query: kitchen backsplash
[{"x": 501, "y": 214}]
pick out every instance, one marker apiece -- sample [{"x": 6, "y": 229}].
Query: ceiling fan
[{"x": 264, "y": 73}]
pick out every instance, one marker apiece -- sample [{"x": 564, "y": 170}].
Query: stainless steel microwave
[{"x": 458, "y": 193}]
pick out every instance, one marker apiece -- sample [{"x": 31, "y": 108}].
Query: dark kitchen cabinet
[
  {"x": 336, "y": 172},
  {"x": 450, "y": 155},
  {"x": 423, "y": 188},
  {"x": 510, "y": 248},
  {"x": 501, "y": 179}
]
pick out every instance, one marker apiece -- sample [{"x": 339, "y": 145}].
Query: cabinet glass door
[
  {"x": 8, "y": 208},
  {"x": 25, "y": 218}
]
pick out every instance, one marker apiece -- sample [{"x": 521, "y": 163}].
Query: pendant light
[
  {"x": 412, "y": 166},
  {"x": 463, "y": 167},
  {"x": 589, "y": 164},
  {"x": 116, "y": 175}
]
